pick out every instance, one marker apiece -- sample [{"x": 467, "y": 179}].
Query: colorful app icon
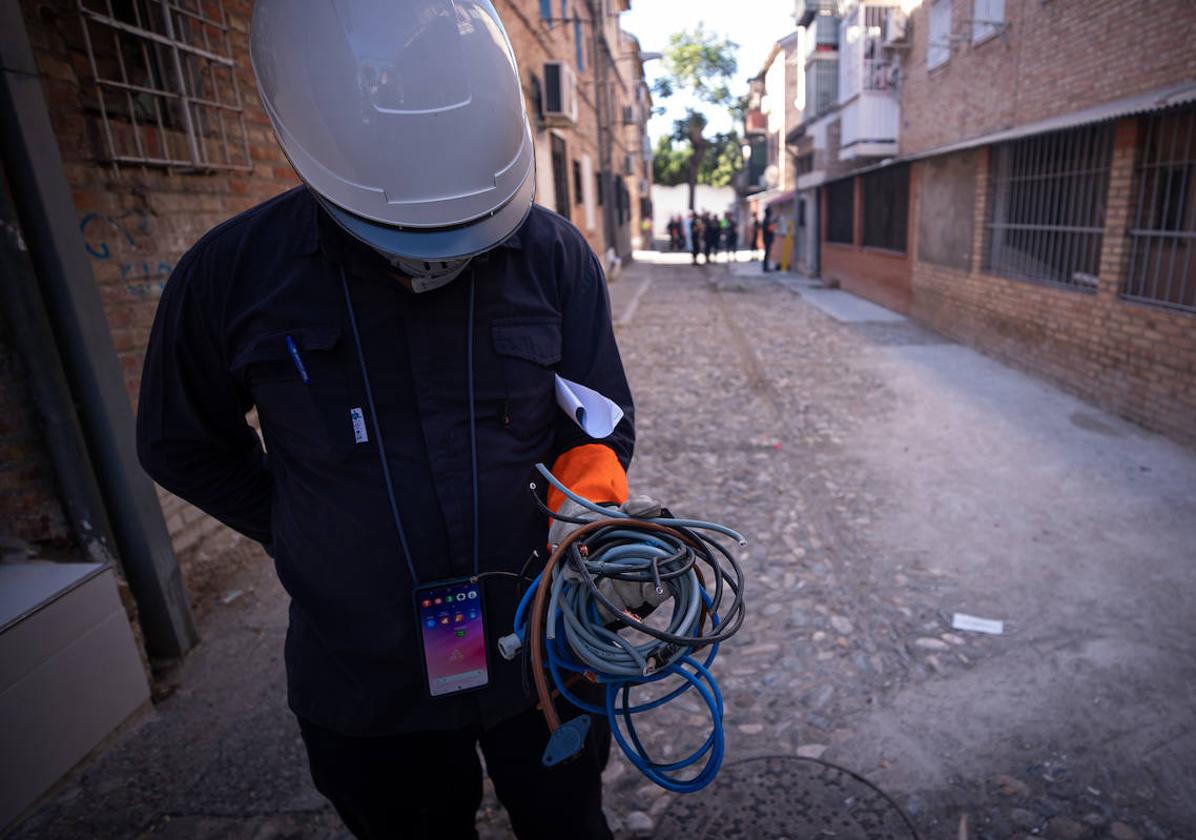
[
  {"x": 472, "y": 594},
  {"x": 431, "y": 622},
  {"x": 444, "y": 619},
  {"x": 472, "y": 614},
  {"x": 437, "y": 602},
  {"x": 425, "y": 603},
  {"x": 460, "y": 634},
  {"x": 459, "y": 617}
]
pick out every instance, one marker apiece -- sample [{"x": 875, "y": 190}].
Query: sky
[{"x": 753, "y": 24}]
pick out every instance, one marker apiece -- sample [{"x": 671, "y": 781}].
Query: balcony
[{"x": 867, "y": 86}]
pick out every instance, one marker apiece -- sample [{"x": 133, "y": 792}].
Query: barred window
[
  {"x": 840, "y": 210},
  {"x": 166, "y": 84},
  {"x": 1162, "y": 254},
  {"x": 1047, "y": 199},
  {"x": 886, "y": 207}
]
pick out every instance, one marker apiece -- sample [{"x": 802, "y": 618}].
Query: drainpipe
[
  {"x": 22, "y": 306},
  {"x": 42, "y": 200}
]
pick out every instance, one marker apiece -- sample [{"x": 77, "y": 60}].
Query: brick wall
[
  {"x": 1136, "y": 360},
  {"x": 137, "y": 221},
  {"x": 536, "y": 41},
  {"x": 1055, "y": 57},
  {"x": 878, "y": 275}
]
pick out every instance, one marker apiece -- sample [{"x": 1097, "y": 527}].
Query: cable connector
[
  {"x": 567, "y": 741},
  {"x": 510, "y": 645}
]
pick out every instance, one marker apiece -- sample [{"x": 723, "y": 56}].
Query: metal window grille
[
  {"x": 885, "y": 194},
  {"x": 840, "y": 210},
  {"x": 1162, "y": 261},
  {"x": 166, "y": 83},
  {"x": 1047, "y": 207},
  {"x": 822, "y": 86}
]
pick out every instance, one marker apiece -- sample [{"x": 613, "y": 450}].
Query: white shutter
[
  {"x": 987, "y": 19},
  {"x": 938, "y": 36}
]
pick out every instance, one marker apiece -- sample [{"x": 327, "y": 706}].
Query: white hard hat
[{"x": 404, "y": 117}]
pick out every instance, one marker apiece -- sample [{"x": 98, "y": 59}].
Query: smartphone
[{"x": 453, "y": 630}]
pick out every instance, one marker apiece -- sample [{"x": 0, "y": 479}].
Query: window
[
  {"x": 560, "y": 180},
  {"x": 546, "y": 10},
  {"x": 598, "y": 187},
  {"x": 822, "y": 86},
  {"x": 988, "y": 19},
  {"x": 1047, "y": 206},
  {"x": 805, "y": 163},
  {"x": 1162, "y": 249},
  {"x": 166, "y": 84},
  {"x": 945, "y": 192},
  {"x": 840, "y": 211},
  {"x": 580, "y": 44},
  {"x": 938, "y": 37},
  {"x": 885, "y": 194}
]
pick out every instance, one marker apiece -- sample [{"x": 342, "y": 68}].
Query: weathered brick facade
[
  {"x": 1136, "y": 360},
  {"x": 137, "y": 221},
  {"x": 1052, "y": 58}
]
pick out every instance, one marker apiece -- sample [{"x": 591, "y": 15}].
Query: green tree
[{"x": 700, "y": 63}]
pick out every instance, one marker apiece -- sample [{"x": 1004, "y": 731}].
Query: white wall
[{"x": 671, "y": 201}]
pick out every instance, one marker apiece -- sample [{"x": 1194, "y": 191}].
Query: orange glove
[{"x": 592, "y": 471}]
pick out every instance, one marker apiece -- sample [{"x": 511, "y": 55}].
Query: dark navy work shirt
[{"x": 316, "y": 495}]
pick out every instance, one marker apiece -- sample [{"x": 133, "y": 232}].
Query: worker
[{"x": 398, "y": 323}]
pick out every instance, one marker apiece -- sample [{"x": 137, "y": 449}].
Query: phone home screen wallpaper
[{"x": 454, "y": 643}]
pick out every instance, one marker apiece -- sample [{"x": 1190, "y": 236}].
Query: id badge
[{"x": 453, "y": 632}]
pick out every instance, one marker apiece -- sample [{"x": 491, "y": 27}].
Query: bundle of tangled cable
[{"x": 573, "y": 630}]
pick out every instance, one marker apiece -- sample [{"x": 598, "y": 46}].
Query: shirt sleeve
[
  {"x": 192, "y": 434},
  {"x": 591, "y": 357}
]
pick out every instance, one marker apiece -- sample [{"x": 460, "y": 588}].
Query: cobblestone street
[{"x": 885, "y": 479}]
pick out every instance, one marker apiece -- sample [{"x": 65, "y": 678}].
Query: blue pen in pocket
[{"x": 298, "y": 360}]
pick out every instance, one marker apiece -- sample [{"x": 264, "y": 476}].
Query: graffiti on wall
[{"x": 128, "y": 241}]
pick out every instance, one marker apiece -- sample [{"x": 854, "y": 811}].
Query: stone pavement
[{"x": 886, "y": 479}]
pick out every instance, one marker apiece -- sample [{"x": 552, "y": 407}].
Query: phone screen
[{"x": 450, "y": 618}]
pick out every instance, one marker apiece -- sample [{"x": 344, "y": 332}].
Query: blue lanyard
[{"x": 473, "y": 442}]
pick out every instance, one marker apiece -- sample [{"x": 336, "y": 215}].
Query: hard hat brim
[{"x": 457, "y": 242}]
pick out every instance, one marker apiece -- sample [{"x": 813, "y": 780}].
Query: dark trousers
[{"x": 429, "y": 784}]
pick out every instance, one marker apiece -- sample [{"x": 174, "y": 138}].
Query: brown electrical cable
[{"x": 539, "y": 602}]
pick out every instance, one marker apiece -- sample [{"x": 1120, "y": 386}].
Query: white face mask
[{"x": 427, "y": 275}]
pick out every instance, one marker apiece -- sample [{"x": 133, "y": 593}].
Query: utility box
[{"x": 69, "y": 673}]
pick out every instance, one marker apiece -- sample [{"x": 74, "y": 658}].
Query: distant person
[
  {"x": 755, "y": 235},
  {"x": 768, "y": 230},
  {"x": 732, "y": 235},
  {"x": 712, "y": 234},
  {"x": 687, "y": 231},
  {"x": 694, "y": 236}
]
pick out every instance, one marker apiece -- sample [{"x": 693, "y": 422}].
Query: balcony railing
[
  {"x": 879, "y": 74},
  {"x": 822, "y": 87}
]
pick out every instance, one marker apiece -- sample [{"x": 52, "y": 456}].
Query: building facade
[
  {"x": 1035, "y": 198},
  {"x": 143, "y": 124}
]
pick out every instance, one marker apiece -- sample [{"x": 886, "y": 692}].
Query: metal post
[{"x": 43, "y": 203}]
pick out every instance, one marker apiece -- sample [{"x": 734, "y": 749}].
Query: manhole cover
[{"x": 780, "y": 797}]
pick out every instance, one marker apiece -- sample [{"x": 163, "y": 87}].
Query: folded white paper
[
  {"x": 963, "y": 621},
  {"x": 596, "y": 415}
]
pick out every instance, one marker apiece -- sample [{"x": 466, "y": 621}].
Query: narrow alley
[{"x": 886, "y": 479}]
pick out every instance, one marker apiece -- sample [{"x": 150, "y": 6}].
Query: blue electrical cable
[{"x": 579, "y": 633}]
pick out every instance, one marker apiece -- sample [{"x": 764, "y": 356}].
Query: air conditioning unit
[
  {"x": 896, "y": 28},
  {"x": 560, "y": 94}
]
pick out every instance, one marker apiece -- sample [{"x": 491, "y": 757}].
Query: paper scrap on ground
[
  {"x": 596, "y": 415},
  {"x": 962, "y": 621}
]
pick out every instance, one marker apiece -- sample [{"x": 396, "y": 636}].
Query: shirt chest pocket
[
  {"x": 528, "y": 351},
  {"x": 302, "y": 389}
]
